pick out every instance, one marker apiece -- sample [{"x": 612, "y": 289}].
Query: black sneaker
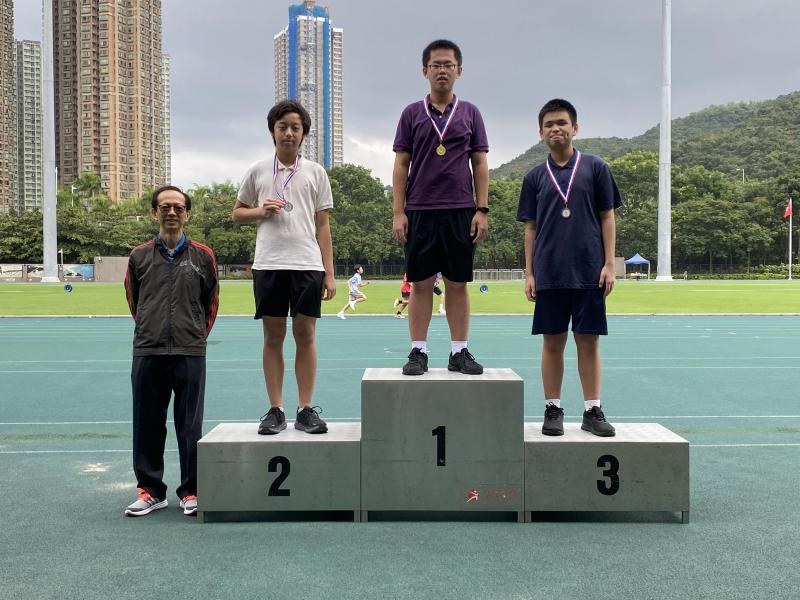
[
  {"x": 464, "y": 362},
  {"x": 417, "y": 363},
  {"x": 594, "y": 421},
  {"x": 553, "y": 420},
  {"x": 273, "y": 422},
  {"x": 308, "y": 420}
]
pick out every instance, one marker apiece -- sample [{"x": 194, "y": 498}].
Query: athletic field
[
  {"x": 728, "y": 384},
  {"x": 506, "y": 297}
]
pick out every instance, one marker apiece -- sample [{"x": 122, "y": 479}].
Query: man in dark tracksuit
[{"x": 173, "y": 294}]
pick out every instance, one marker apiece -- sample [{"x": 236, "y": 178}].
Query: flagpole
[{"x": 790, "y": 244}]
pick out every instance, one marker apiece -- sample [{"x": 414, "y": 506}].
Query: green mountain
[{"x": 763, "y": 138}]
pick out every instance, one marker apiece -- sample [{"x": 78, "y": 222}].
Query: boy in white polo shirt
[{"x": 289, "y": 198}]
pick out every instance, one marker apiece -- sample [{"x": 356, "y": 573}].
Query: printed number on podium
[
  {"x": 439, "y": 434},
  {"x": 285, "y": 467},
  {"x": 610, "y": 466}
]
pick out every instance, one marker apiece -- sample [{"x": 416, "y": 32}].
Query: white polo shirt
[{"x": 288, "y": 240}]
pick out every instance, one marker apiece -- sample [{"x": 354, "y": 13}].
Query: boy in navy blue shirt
[{"x": 567, "y": 204}]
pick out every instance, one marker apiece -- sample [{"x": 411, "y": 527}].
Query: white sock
[
  {"x": 457, "y": 347},
  {"x": 423, "y": 345},
  {"x": 554, "y": 401},
  {"x": 588, "y": 404}
]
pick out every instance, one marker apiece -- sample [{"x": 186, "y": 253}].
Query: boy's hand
[
  {"x": 271, "y": 206},
  {"x": 400, "y": 227},
  {"x": 479, "y": 228},
  {"x": 328, "y": 286},
  {"x": 607, "y": 280},
  {"x": 530, "y": 289}
]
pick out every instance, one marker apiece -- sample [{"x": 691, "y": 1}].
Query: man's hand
[
  {"x": 479, "y": 229},
  {"x": 328, "y": 286},
  {"x": 607, "y": 280},
  {"x": 530, "y": 289},
  {"x": 400, "y": 227}
]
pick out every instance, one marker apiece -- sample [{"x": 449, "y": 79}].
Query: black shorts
[
  {"x": 279, "y": 293},
  {"x": 555, "y": 308},
  {"x": 439, "y": 240}
]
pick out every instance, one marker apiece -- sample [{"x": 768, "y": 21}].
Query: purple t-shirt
[
  {"x": 434, "y": 181},
  {"x": 568, "y": 253}
]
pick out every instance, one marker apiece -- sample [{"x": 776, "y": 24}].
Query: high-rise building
[
  {"x": 29, "y": 125},
  {"x": 109, "y": 93},
  {"x": 166, "y": 71},
  {"x": 308, "y": 68},
  {"x": 8, "y": 114}
]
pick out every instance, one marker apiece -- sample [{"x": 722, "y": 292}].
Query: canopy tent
[{"x": 638, "y": 259}]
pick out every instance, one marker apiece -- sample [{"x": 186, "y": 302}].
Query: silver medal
[
  {"x": 566, "y": 213},
  {"x": 288, "y": 207}
]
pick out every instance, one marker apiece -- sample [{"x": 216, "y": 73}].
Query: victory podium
[
  {"x": 441, "y": 441},
  {"x": 645, "y": 467},
  {"x": 240, "y": 471}
]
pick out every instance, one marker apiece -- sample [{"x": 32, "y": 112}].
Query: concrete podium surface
[
  {"x": 241, "y": 471},
  {"x": 442, "y": 441},
  {"x": 645, "y": 467}
]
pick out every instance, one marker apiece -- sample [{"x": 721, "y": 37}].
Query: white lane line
[
  {"x": 125, "y": 451},
  {"x": 528, "y": 418}
]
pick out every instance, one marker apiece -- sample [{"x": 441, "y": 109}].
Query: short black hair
[
  {"x": 357, "y": 267},
  {"x": 284, "y": 107},
  {"x": 555, "y": 105},
  {"x": 166, "y": 188},
  {"x": 440, "y": 45}
]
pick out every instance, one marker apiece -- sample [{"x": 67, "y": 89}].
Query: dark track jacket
[{"x": 174, "y": 303}]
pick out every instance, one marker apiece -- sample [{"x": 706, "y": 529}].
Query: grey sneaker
[
  {"x": 553, "y": 420},
  {"x": 273, "y": 422},
  {"x": 594, "y": 421},
  {"x": 417, "y": 363},
  {"x": 464, "y": 362},
  {"x": 189, "y": 505},
  {"x": 308, "y": 420},
  {"x": 145, "y": 504}
]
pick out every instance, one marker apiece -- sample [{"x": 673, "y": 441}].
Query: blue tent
[{"x": 638, "y": 259}]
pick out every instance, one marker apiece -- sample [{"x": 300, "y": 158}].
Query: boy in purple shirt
[
  {"x": 440, "y": 206},
  {"x": 567, "y": 204}
]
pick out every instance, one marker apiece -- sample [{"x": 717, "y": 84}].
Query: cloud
[{"x": 374, "y": 153}]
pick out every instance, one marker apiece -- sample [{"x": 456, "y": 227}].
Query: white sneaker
[
  {"x": 399, "y": 316},
  {"x": 189, "y": 505},
  {"x": 144, "y": 505},
  {"x": 442, "y": 311},
  {"x": 340, "y": 314}
]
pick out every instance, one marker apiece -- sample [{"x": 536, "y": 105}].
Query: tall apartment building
[
  {"x": 29, "y": 125},
  {"x": 166, "y": 71},
  {"x": 308, "y": 68},
  {"x": 109, "y": 93},
  {"x": 8, "y": 114}
]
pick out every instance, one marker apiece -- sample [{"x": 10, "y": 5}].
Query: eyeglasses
[
  {"x": 165, "y": 209},
  {"x": 442, "y": 66}
]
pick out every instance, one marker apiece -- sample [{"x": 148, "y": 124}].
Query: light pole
[
  {"x": 72, "y": 196},
  {"x": 61, "y": 255},
  {"x": 742, "y": 170}
]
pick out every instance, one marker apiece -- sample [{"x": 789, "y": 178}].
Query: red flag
[{"x": 788, "y": 211}]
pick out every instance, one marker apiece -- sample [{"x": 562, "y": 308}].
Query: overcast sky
[{"x": 604, "y": 56}]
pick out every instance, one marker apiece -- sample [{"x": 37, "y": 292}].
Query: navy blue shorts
[
  {"x": 279, "y": 293},
  {"x": 439, "y": 240},
  {"x": 555, "y": 308}
]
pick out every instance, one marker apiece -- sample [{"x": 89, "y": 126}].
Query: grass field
[{"x": 629, "y": 297}]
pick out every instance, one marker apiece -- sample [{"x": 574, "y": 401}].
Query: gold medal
[{"x": 441, "y": 150}]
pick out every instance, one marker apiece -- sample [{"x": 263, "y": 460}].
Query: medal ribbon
[
  {"x": 564, "y": 197},
  {"x": 281, "y": 193},
  {"x": 441, "y": 133}
]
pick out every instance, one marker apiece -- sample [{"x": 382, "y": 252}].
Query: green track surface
[
  {"x": 629, "y": 297},
  {"x": 727, "y": 384}
]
